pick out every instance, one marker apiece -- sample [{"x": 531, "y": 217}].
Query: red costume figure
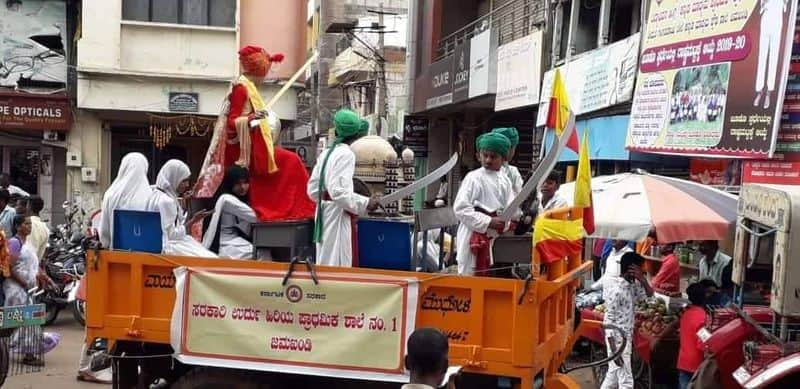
[{"x": 244, "y": 135}]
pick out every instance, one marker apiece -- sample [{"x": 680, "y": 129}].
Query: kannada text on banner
[
  {"x": 349, "y": 323},
  {"x": 711, "y": 77}
]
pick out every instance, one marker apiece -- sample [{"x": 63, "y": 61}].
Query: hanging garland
[{"x": 164, "y": 128}]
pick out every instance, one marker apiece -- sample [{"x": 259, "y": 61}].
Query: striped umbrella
[{"x": 628, "y": 205}]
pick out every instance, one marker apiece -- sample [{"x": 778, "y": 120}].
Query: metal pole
[{"x": 381, "y": 81}]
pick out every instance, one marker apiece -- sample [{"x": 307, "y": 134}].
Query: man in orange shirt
[{"x": 692, "y": 349}]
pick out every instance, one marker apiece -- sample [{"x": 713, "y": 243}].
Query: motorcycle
[{"x": 65, "y": 273}]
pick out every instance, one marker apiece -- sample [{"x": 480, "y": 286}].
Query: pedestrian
[
  {"x": 668, "y": 279},
  {"x": 5, "y": 183},
  {"x": 331, "y": 187},
  {"x": 228, "y": 233},
  {"x": 427, "y": 360},
  {"x": 484, "y": 193},
  {"x": 549, "y": 199},
  {"x": 612, "y": 262},
  {"x": 716, "y": 266},
  {"x": 621, "y": 293},
  {"x": 40, "y": 233},
  {"x": 129, "y": 191},
  {"x": 7, "y": 214},
  {"x": 509, "y": 170},
  {"x": 25, "y": 275},
  {"x": 20, "y": 204},
  {"x": 172, "y": 183},
  {"x": 692, "y": 349}
]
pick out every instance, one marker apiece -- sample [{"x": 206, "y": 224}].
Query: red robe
[{"x": 278, "y": 196}]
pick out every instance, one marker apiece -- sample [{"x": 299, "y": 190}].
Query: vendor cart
[
  {"x": 20, "y": 338},
  {"x": 649, "y": 349}
]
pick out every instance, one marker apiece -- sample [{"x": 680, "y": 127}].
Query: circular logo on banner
[{"x": 294, "y": 294}]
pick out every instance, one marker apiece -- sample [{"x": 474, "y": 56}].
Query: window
[{"x": 219, "y": 13}]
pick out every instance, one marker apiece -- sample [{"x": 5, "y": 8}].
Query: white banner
[
  {"x": 479, "y": 63},
  {"x": 597, "y": 79},
  {"x": 519, "y": 72},
  {"x": 348, "y": 326}
]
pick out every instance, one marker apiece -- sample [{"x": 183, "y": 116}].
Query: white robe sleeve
[
  {"x": 104, "y": 229},
  {"x": 339, "y": 183},
  {"x": 464, "y": 207},
  {"x": 239, "y": 209},
  {"x": 171, "y": 224}
]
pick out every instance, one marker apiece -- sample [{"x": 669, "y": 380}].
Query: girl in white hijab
[
  {"x": 172, "y": 181},
  {"x": 129, "y": 191}
]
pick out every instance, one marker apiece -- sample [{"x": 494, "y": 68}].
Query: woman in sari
[
  {"x": 172, "y": 182},
  {"x": 229, "y": 231},
  {"x": 24, "y": 276}
]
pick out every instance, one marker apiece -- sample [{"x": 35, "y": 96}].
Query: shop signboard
[
  {"x": 250, "y": 320},
  {"x": 438, "y": 87},
  {"x": 519, "y": 72},
  {"x": 415, "y": 134},
  {"x": 482, "y": 65},
  {"x": 711, "y": 78},
  {"x": 461, "y": 72},
  {"x": 596, "y": 79},
  {"x": 184, "y": 102},
  {"x": 32, "y": 53},
  {"x": 40, "y": 113}
]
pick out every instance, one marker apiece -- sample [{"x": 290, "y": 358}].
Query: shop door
[{"x": 24, "y": 168}]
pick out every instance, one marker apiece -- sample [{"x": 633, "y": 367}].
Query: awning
[{"x": 606, "y": 139}]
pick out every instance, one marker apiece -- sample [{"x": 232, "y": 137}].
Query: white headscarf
[
  {"x": 171, "y": 175},
  {"x": 129, "y": 191}
]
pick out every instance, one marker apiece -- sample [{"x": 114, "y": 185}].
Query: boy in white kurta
[
  {"x": 508, "y": 169},
  {"x": 483, "y": 191},
  {"x": 331, "y": 187}
]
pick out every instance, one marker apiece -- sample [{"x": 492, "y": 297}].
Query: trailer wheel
[{"x": 216, "y": 378}]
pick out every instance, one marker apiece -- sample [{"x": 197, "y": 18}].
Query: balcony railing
[{"x": 512, "y": 20}]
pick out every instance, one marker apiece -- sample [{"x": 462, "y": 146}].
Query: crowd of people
[
  {"x": 690, "y": 106},
  {"x": 23, "y": 243},
  {"x": 624, "y": 283}
]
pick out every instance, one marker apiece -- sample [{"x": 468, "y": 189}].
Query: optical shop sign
[
  {"x": 711, "y": 77},
  {"x": 349, "y": 326}
]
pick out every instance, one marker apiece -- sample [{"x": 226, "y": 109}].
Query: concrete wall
[
  {"x": 124, "y": 93},
  {"x": 87, "y": 138},
  {"x": 109, "y": 43}
]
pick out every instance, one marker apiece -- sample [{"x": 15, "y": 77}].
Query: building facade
[
  {"x": 152, "y": 76},
  {"x": 479, "y": 64},
  {"x": 361, "y": 47},
  {"x": 36, "y": 114}
]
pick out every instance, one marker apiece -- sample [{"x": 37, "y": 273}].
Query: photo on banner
[{"x": 711, "y": 78}]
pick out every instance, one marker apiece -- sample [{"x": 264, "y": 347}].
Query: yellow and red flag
[
  {"x": 583, "y": 185},
  {"x": 555, "y": 239},
  {"x": 559, "y": 115}
]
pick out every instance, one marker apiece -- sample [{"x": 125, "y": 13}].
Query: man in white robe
[
  {"x": 173, "y": 181},
  {"x": 331, "y": 187},
  {"x": 484, "y": 192},
  {"x": 549, "y": 199}
]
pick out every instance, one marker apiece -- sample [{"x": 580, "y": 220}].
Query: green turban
[
  {"x": 510, "y": 133},
  {"x": 495, "y": 142},
  {"x": 347, "y": 124},
  {"x": 364, "y": 129}
]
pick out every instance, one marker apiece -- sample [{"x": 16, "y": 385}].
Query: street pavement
[{"x": 61, "y": 364}]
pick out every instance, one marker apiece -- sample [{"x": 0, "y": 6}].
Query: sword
[
  {"x": 421, "y": 183},
  {"x": 540, "y": 174}
]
